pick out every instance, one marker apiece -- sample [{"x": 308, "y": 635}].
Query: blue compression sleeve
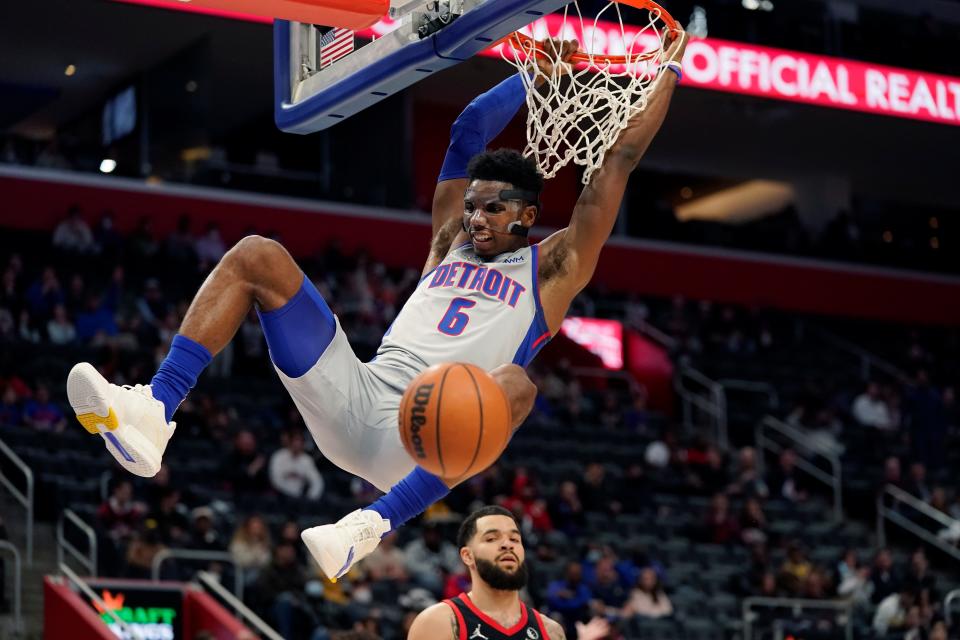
[
  {"x": 410, "y": 497},
  {"x": 481, "y": 122}
]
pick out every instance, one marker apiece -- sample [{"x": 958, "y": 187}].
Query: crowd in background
[{"x": 120, "y": 300}]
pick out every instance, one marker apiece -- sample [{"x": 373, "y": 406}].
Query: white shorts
[{"x": 352, "y": 410}]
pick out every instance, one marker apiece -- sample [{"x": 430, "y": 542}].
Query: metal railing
[
  {"x": 802, "y": 443},
  {"x": 893, "y": 515},
  {"x": 24, "y": 498},
  {"x": 17, "y": 585},
  {"x": 210, "y": 581},
  {"x": 844, "y": 609},
  {"x": 752, "y": 386},
  {"x": 88, "y": 561},
  {"x": 194, "y": 554},
  {"x": 127, "y": 630},
  {"x": 703, "y": 406},
  {"x": 952, "y": 597},
  {"x": 869, "y": 362}
]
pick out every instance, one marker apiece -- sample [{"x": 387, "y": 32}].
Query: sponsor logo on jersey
[
  {"x": 514, "y": 260},
  {"x": 418, "y": 417},
  {"x": 478, "y": 634}
]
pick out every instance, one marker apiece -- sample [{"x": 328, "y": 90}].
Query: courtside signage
[{"x": 603, "y": 338}]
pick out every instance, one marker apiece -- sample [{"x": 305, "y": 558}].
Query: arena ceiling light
[
  {"x": 107, "y": 165},
  {"x": 757, "y": 5}
]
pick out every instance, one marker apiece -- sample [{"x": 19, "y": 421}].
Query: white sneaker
[
  {"x": 129, "y": 419},
  {"x": 337, "y": 547}
]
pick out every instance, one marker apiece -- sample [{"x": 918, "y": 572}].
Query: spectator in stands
[
  {"x": 60, "y": 330},
  {"x": 203, "y": 533},
  {"x": 98, "y": 321},
  {"x": 278, "y": 592},
  {"x": 151, "y": 305},
  {"x": 611, "y": 413},
  {"x": 853, "y": 579},
  {"x": 784, "y": 481},
  {"x": 891, "y": 613},
  {"x": 245, "y": 467},
  {"x": 871, "y": 410},
  {"x": 706, "y": 469},
  {"x": 753, "y": 523},
  {"x": 387, "y": 562},
  {"x": 209, "y": 246},
  {"x": 607, "y": 587},
  {"x": 920, "y": 581},
  {"x": 926, "y": 420},
  {"x": 429, "y": 557},
  {"x": 42, "y": 413},
  {"x": 169, "y": 519},
  {"x": 11, "y": 411},
  {"x": 120, "y": 515},
  {"x": 293, "y": 472},
  {"x": 570, "y": 596},
  {"x": 637, "y": 416},
  {"x": 106, "y": 236},
  {"x": 795, "y": 570},
  {"x": 648, "y": 599},
  {"x": 883, "y": 577},
  {"x": 720, "y": 525},
  {"x": 11, "y": 298},
  {"x": 141, "y": 243},
  {"x": 938, "y": 630},
  {"x": 180, "y": 246},
  {"x": 747, "y": 479},
  {"x": 916, "y": 484},
  {"x": 567, "y": 510},
  {"x": 251, "y": 547},
  {"x": 596, "y": 492},
  {"x": 141, "y": 551},
  {"x": 28, "y": 329},
  {"x": 44, "y": 294},
  {"x": 73, "y": 234}
]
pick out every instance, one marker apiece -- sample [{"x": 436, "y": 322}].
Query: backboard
[{"x": 312, "y": 93}]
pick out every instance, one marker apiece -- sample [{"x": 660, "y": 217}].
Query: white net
[{"x": 579, "y": 109}]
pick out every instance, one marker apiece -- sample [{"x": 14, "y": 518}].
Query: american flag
[{"x": 335, "y": 44}]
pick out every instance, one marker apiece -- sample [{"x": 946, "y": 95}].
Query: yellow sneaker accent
[{"x": 90, "y": 421}]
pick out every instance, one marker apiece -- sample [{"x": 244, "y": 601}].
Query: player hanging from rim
[
  {"x": 492, "y": 549},
  {"x": 480, "y": 266}
]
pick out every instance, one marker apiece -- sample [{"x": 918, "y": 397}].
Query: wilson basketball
[{"x": 454, "y": 420}]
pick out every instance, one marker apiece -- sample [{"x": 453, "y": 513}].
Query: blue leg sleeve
[{"x": 299, "y": 332}]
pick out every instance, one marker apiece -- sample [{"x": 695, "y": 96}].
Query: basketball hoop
[{"x": 578, "y": 113}]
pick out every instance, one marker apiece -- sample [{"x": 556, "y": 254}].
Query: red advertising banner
[
  {"x": 821, "y": 80},
  {"x": 771, "y": 73},
  {"x": 745, "y": 69}
]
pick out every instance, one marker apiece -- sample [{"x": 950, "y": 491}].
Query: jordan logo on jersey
[
  {"x": 478, "y": 634},
  {"x": 476, "y": 278}
]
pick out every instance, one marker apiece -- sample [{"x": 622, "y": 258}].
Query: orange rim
[{"x": 524, "y": 42}]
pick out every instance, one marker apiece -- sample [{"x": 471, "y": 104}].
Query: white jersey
[{"x": 485, "y": 312}]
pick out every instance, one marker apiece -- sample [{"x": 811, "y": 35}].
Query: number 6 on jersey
[{"x": 454, "y": 321}]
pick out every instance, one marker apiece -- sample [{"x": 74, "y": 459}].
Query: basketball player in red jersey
[{"x": 491, "y": 547}]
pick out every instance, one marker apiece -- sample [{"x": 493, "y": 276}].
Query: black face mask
[{"x": 502, "y": 580}]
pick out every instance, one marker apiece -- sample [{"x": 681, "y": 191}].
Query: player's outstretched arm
[
  {"x": 482, "y": 121},
  {"x": 593, "y": 217},
  {"x": 435, "y": 623}
]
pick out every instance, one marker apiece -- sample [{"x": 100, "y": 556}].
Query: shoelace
[{"x": 142, "y": 389}]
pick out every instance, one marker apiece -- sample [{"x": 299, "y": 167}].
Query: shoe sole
[
  {"x": 332, "y": 567},
  {"x": 89, "y": 395}
]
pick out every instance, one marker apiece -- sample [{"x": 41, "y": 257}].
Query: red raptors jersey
[{"x": 476, "y": 625}]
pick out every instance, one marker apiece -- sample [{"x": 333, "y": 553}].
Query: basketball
[{"x": 454, "y": 420}]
